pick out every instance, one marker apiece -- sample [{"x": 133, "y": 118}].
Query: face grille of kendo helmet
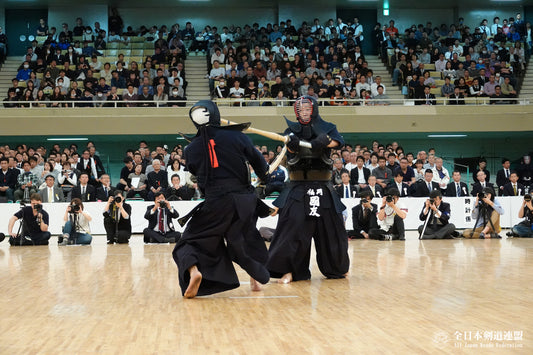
[{"x": 303, "y": 108}]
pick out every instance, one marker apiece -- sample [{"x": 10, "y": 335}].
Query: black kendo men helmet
[
  {"x": 300, "y": 106},
  {"x": 205, "y": 112}
]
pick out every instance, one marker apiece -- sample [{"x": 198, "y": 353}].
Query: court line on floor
[{"x": 244, "y": 297}]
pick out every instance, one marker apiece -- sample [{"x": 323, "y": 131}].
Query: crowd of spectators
[
  {"x": 455, "y": 61},
  {"x": 376, "y": 168},
  {"x": 278, "y": 62},
  {"x": 100, "y": 69}
]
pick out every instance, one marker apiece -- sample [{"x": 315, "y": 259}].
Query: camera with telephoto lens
[
  {"x": 163, "y": 204},
  {"x": 74, "y": 208},
  {"x": 527, "y": 198},
  {"x": 38, "y": 207},
  {"x": 364, "y": 200},
  {"x": 117, "y": 199},
  {"x": 481, "y": 195},
  {"x": 431, "y": 201},
  {"x": 389, "y": 198}
]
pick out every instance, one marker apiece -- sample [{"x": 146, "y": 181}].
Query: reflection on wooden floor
[{"x": 401, "y": 297}]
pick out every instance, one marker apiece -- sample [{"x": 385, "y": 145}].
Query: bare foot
[
  {"x": 194, "y": 283},
  {"x": 286, "y": 279},
  {"x": 255, "y": 285}
]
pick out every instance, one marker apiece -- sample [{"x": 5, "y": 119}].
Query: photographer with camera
[
  {"x": 524, "y": 229},
  {"x": 67, "y": 179},
  {"x": 76, "y": 229},
  {"x": 436, "y": 215},
  {"x": 364, "y": 216},
  {"x": 34, "y": 224},
  {"x": 160, "y": 227},
  {"x": 390, "y": 218},
  {"x": 487, "y": 215},
  {"x": 117, "y": 220}
]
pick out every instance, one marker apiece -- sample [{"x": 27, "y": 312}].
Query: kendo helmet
[
  {"x": 306, "y": 109},
  {"x": 205, "y": 112}
]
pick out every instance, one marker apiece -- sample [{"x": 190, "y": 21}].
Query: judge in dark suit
[
  {"x": 346, "y": 190},
  {"x": 372, "y": 187},
  {"x": 457, "y": 188},
  {"x": 84, "y": 191},
  {"x": 160, "y": 227},
  {"x": 397, "y": 183},
  {"x": 502, "y": 176},
  {"x": 117, "y": 219},
  {"x": 51, "y": 193},
  {"x": 438, "y": 212},
  {"x": 8, "y": 179},
  {"x": 88, "y": 165},
  {"x": 427, "y": 98},
  {"x": 422, "y": 188},
  {"x": 364, "y": 216},
  {"x": 481, "y": 183},
  {"x": 103, "y": 192},
  {"x": 456, "y": 98},
  {"x": 513, "y": 187},
  {"x": 359, "y": 174}
]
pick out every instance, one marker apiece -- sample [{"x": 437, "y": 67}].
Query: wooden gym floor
[{"x": 407, "y": 297}]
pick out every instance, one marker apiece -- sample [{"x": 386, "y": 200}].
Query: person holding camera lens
[
  {"x": 390, "y": 218},
  {"x": 117, "y": 221},
  {"x": 34, "y": 224},
  {"x": 76, "y": 229},
  {"x": 160, "y": 227},
  {"x": 524, "y": 229},
  {"x": 364, "y": 216},
  {"x": 487, "y": 215},
  {"x": 436, "y": 215}
]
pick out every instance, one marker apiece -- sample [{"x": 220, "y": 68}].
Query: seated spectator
[
  {"x": 440, "y": 174},
  {"x": 34, "y": 228},
  {"x": 146, "y": 97},
  {"x": 364, "y": 217},
  {"x": 376, "y": 190},
  {"x": 118, "y": 80},
  {"x": 136, "y": 183},
  {"x": 508, "y": 90},
  {"x": 390, "y": 218},
  {"x": 447, "y": 89},
  {"x": 160, "y": 97},
  {"x": 486, "y": 214},
  {"x": 160, "y": 226},
  {"x": 67, "y": 179},
  {"x": 423, "y": 188},
  {"x": 23, "y": 74},
  {"x": 359, "y": 174},
  {"x": 215, "y": 74},
  {"x": 177, "y": 190},
  {"x": 76, "y": 229},
  {"x": 51, "y": 192},
  {"x": 382, "y": 173},
  {"x": 490, "y": 87},
  {"x": 513, "y": 187},
  {"x": 502, "y": 175},
  {"x": 27, "y": 183},
  {"x": 524, "y": 229},
  {"x": 345, "y": 189},
  {"x": 8, "y": 180},
  {"x": 457, "y": 188},
  {"x": 105, "y": 190},
  {"x": 157, "y": 179},
  {"x": 457, "y": 98},
  {"x": 117, "y": 221},
  {"x": 482, "y": 165},
  {"x": 407, "y": 172}
]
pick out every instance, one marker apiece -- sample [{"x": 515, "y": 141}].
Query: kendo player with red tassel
[
  {"x": 219, "y": 228},
  {"x": 308, "y": 206}
]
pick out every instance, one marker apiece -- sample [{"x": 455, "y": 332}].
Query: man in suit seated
[
  {"x": 427, "y": 98},
  {"x": 84, "y": 191},
  {"x": 88, "y": 165},
  {"x": 177, "y": 191},
  {"x": 424, "y": 187},
  {"x": 438, "y": 212},
  {"x": 8, "y": 180},
  {"x": 456, "y": 188},
  {"x": 338, "y": 169},
  {"x": 359, "y": 174},
  {"x": 502, "y": 175},
  {"x": 373, "y": 187},
  {"x": 481, "y": 183},
  {"x": 513, "y": 187},
  {"x": 457, "y": 98},
  {"x": 157, "y": 179},
  {"x": 160, "y": 227},
  {"x": 397, "y": 183},
  {"x": 51, "y": 193},
  {"x": 346, "y": 190},
  {"x": 103, "y": 192},
  {"x": 364, "y": 216}
]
